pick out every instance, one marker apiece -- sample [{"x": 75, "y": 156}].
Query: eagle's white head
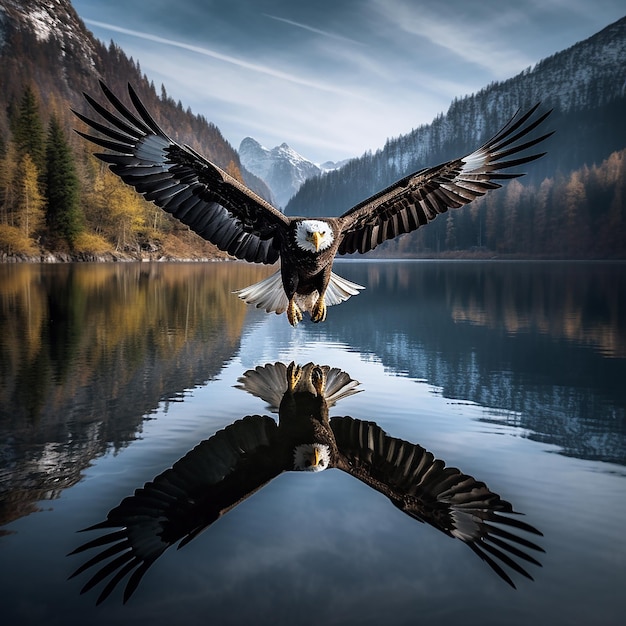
[
  {"x": 311, "y": 457},
  {"x": 314, "y": 235}
]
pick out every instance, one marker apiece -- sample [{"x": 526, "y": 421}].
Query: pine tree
[
  {"x": 28, "y": 132},
  {"x": 542, "y": 225},
  {"x": 63, "y": 215},
  {"x": 8, "y": 184}
]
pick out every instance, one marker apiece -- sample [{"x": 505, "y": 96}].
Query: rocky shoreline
[{"x": 107, "y": 257}]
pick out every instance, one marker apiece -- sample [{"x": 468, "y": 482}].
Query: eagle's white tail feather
[
  {"x": 340, "y": 289},
  {"x": 269, "y": 294}
]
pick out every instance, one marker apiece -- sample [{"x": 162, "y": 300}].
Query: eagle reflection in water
[{"x": 237, "y": 461}]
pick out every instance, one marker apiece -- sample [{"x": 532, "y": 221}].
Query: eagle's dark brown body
[{"x": 304, "y": 272}]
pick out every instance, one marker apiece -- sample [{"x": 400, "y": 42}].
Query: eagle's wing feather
[
  {"x": 206, "y": 483},
  {"x": 418, "y": 198},
  {"x": 182, "y": 182},
  {"x": 423, "y": 488}
]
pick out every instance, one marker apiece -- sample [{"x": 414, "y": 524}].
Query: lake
[{"x": 512, "y": 372}]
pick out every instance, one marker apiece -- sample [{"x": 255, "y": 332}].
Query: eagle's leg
[
  {"x": 318, "y": 378},
  {"x": 294, "y": 314},
  {"x": 290, "y": 285},
  {"x": 294, "y": 372},
  {"x": 319, "y": 310},
  {"x": 318, "y": 314}
]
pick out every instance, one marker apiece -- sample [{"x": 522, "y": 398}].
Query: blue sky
[{"x": 335, "y": 78}]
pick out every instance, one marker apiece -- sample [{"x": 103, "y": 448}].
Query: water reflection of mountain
[
  {"x": 543, "y": 342},
  {"x": 87, "y": 351}
]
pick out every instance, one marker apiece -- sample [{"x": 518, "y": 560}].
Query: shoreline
[{"x": 59, "y": 258}]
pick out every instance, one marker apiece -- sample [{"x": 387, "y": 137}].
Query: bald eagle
[
  {"x": 237, "y": 461},
  {"x": 225, "y": 212}
]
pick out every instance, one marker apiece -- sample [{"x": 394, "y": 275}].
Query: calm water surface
[{"x": 512, "y": 372}]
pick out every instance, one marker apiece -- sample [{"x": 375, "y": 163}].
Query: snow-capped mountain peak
[
  {"x": 281, "y": 167},
  {"x": 51, "y": 19}
]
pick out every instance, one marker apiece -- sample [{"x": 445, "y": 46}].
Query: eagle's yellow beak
[
  {"x": 316, "y": 239},
  {"x": 314, "y": 457}
]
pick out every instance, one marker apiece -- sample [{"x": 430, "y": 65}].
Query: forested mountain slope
[
  {"x": 572, "y": 201},
  {"x": 47, "y": 59}
]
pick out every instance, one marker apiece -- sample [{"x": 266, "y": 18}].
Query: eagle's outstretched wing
[
  {"x": 177, "y": 505},
  {"x": 423, "y": 488},
  {"x": 418, "y": 198},
  {"x": 176, "y": 178}
]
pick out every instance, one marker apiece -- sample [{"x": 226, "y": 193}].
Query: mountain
[
  {"x": 47, "y": 44},
  {"x": 46, "y": 48},
  {"x": 586, "y": 87},
  {"x": 281, "y": 168},
  {"x": 328, "y": 166},
  {"x": 570, "y": 204}
]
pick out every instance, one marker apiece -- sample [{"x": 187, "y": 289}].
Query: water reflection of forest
[
  {"x": 578, "y": 302},
  {"x": 88, "y": 350},
  {"x": 542, "y": 343}
]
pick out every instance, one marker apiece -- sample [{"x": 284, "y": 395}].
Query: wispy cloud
[
  {"x": 317, "y": 31},
  {"x": 464, "y": 39},
  {"x": 241, "y": 63}
]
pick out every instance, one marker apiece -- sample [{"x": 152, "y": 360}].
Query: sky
[{"x": 335, "y": 78}]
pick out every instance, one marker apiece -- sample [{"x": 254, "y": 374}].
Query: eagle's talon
[
  {"x": 318, "y": 379},
  {"x": 294, "y": 314},
  {"x": 294, "y": 372},
  {"x": 319, "y": 310}
]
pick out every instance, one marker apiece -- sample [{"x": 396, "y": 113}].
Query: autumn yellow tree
[
  {"x": 234, "y": 171},
  {"x": 21, "y": 203},
  {"x": 616, "y": 222},
  {"x": 125, "y": 214},
  {"x": 575, "y": 200},
  {"x": 31, "y": 203}
]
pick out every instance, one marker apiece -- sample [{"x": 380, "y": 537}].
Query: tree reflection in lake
[
  {"x": 88, "y": 350},
  {"x": 222, "y": 471},
  {"x": 543, "y": 344}
]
